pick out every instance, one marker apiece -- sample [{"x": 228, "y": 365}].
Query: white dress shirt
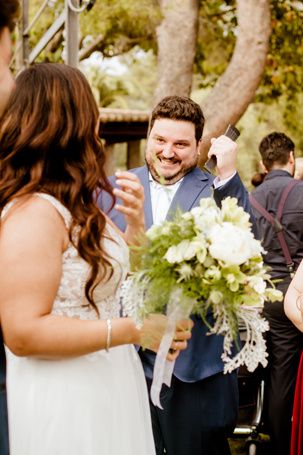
[{"x": 162, "y": 196}]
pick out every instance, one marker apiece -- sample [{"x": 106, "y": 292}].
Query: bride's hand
[
  {"x": 131, "y": 194},
  {"x": 153, "y": 329},
  {"x": 131, "y": 199}
]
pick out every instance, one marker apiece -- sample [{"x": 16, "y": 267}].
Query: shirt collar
[
  {"x": 277, "y": 172},
  {"x": 159, "y": 186}
]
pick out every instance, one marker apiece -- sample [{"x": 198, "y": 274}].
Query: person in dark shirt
[{"x": 284, "y": 340}]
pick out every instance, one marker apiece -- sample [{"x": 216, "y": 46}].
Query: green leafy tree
[{"x": 227, "y": 53}]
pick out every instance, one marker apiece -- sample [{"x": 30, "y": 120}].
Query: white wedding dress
[{"x": 95, "y": 404}]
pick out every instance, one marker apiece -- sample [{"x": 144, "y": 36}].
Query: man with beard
[
  {"x": 200, "y": 407},
  {"x": 8, "y": 13}
]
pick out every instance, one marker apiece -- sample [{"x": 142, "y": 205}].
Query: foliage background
[{"x": 123, "y": 70}]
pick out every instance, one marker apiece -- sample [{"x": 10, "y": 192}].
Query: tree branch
[
  {"x": 176, "y": 37},
  {"x": 236, "y": 88}
]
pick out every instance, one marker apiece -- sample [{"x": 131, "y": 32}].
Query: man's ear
[
  {"x": 199, "y": 147},
  {"x": 291, "y": 158},
  {"x": 263, "y": 168}
]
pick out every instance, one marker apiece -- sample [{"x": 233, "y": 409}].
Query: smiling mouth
[{"x": 168, "y": 162}]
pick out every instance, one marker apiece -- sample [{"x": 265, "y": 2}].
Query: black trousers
[
  {"x": 197, "y": 417},
  {"x": 285, "y": 343}
]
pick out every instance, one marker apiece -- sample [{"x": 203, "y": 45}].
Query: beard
[{"x": 172, "y": 178}]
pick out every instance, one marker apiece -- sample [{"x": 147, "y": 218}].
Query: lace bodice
[{"x": 70, "y": 299}]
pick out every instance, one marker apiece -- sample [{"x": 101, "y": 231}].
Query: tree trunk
[
  {"x": 176, "y": 38},
  {"x": 236, "y": 88}
]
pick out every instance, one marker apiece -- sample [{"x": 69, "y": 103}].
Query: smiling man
[
  {"x": 171, "y": 150},
  {"x": 200, "y": 407}
]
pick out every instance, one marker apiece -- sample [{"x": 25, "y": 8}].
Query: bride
[{"x": 75, "y": 383}]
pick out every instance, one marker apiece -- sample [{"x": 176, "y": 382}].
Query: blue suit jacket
[{"x": 202, "y": 358}]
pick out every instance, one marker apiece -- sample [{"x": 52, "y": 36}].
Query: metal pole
[
  {"x": 47, "y": 37},
  {"x": 72, "y": 34},
  {"x": 36, "y": 17},
  {"x": 24, "y": 33}
]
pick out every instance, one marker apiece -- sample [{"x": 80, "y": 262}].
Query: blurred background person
[{"x": 278, "y": 208}]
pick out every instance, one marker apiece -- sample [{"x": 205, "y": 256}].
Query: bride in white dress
[{"x": 74, "y": 380}]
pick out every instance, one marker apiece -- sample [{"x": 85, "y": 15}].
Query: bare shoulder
[{"x": 33, "y": 219}]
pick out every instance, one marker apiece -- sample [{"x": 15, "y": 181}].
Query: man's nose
[{"x": 168, "y": 150}]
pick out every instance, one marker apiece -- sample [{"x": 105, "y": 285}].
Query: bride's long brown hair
[{"x": 49, "y": 143}]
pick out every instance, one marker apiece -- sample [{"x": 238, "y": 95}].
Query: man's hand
[{"x": 225, "y": 151}]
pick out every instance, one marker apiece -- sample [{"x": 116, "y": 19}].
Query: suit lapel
[{"x": 196, "y": 184}]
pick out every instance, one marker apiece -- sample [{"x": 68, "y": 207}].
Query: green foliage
[
  {"x": 126, "y": 26},
  {"x": 50, "y": 13},
  {"x": 107, "y": 89},
  {"x": 122, "y": 24},
  {"x": 139, "y": 78},
  {"x": 284, "y": 68},
  {"x": 216, "y": 39},
  {"x": 131, "y": 88}
]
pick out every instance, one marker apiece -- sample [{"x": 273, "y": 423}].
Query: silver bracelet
[{"x": 109, "y": 334}]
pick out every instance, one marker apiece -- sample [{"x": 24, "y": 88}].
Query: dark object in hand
[{"x": 233, "y": 133}]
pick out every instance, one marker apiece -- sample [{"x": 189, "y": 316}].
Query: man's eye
[
  {"x": 159, "y": 140},
  {"x": 180, "y": 145}
]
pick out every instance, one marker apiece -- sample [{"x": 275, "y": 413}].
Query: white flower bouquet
[{"x": 205, "y": 260}]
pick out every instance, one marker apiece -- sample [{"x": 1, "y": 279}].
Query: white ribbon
[{"x": 163, "y": 369}]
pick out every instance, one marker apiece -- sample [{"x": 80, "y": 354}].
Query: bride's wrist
[{"x": 133, "y": 332}]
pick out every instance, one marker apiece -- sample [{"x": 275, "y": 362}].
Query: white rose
[
  {"x": 205, "y": 220},
  {"x": 191, "y": 250},
  {"x": 187, "y": 250},
  {"x": 258, "y": 284},
  {"x": 176, "y": 253},
  {"x": 232, "y": 244}
]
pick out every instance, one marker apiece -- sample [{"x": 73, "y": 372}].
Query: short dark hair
[
  {"x": 9, "y": 10},
  {"x": 257, "y": 179},
  {"x": 275, "y": 149},
  {"x": 179, "y": 108}
]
